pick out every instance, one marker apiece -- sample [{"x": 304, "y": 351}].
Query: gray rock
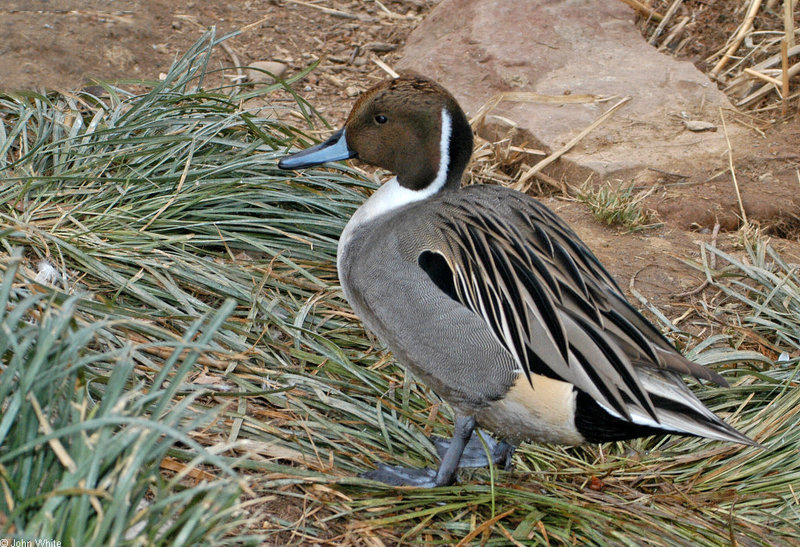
[
  {"x": 564, "y": 47},
  {"x": 255, "y": 74},
  {"x": 699, "y": 125}
]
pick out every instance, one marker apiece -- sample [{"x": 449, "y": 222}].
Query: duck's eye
[{"x": 380, "y": 118}]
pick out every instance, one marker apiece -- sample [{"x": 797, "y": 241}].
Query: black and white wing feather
[{"x": 552, "y": 305}]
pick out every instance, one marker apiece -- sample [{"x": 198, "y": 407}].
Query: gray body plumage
[
  {"x": 578, "y": 329},
  {"x": 445, "y": 344}
]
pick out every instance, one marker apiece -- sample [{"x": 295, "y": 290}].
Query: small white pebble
[
  {"x": 768, "y": 178},
  {"x": 256, "y": 72}
]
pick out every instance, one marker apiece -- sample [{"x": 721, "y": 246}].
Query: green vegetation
[
  {"x": 191, "y": 374},
  {"x": 83, "y": 437},
  {"x": 617, "y": 206}
]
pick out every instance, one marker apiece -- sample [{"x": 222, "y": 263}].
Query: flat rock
[
  {"x": 259, "y": 71},
  {"x": 565, "y": 47}
]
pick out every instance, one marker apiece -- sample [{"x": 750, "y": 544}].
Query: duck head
[{"x": 409, "y": 125}]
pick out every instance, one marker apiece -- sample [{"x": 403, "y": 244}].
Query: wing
[{"x": 549, "y": 301}]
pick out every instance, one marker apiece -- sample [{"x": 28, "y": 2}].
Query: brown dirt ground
[{"x": 63, "y": 43}]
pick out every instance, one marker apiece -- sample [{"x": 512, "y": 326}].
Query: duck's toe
[
  {"x": 474, "y": 454},
  {"x": 403, "y": 476}
]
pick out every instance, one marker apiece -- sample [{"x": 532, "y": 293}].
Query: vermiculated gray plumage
[{"x": 473, "y": 286}]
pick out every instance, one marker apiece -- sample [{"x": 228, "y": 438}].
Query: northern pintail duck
[{"x": 491, "y": 299}]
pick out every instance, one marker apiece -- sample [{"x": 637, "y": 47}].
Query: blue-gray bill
[{"x": 333, "y": 149}]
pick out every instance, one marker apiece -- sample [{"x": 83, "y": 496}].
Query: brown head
[
  {"x": 398, "y": 125},
  {"x": 407, "y": 125}
]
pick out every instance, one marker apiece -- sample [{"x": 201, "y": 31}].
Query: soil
[{"x": 62, "y": 44}]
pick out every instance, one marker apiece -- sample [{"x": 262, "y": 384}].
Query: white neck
[
  {"x": 444, "y": 157},
  {"x": 392, "y": 195}
]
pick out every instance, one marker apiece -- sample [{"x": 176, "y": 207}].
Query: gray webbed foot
[
  {"x": 474, "y": 454},
  {"x": 465, "y": 449},
  {"x": 395, "y": 475}
]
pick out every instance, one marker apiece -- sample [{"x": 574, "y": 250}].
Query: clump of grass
[
  {"x": 754, "y": 65},
  {"x": 617, "y": 205},
  {"x": 83, "y": 440},
  {"x": 759, "y": 293},
  {"x": 161, "y": 208}
]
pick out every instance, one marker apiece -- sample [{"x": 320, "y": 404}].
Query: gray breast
[{"x": 445, "y": 345}]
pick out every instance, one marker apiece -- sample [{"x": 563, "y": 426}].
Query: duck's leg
[
  {"x": 428, "y": 478},
  {"x": 474, "y": 454}
]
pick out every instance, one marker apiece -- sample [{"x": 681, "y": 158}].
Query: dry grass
[
  {"x": 156, "y": 210},
  {"x": 759, "y": 63}
]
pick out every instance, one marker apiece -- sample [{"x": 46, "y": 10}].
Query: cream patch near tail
[{"x": 542, "y": 412}]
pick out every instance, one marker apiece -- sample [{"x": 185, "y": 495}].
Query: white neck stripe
[{"x": 444, "y": 153}]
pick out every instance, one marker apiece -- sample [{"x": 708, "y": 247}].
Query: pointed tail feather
[{"x": 680, "y": 411}]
